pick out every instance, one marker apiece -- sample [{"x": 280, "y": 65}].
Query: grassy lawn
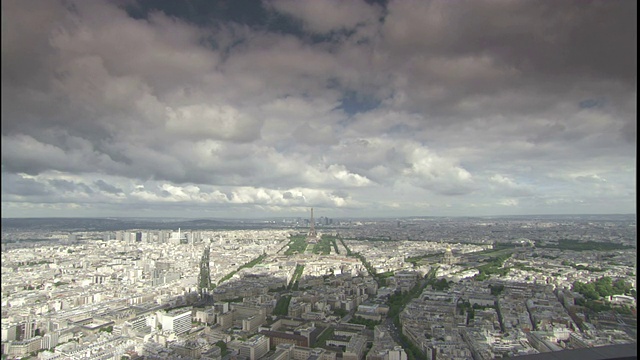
[{"x": 297, "y": 244}]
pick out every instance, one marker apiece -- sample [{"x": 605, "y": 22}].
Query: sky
[{"x": 232, "y": 109}]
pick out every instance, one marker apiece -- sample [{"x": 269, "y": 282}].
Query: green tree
[
  {"x": 370, "y": 324},
  {"x": 587, "y": 290},
  {"x": 604, "y": 286},
  {"x": 223, "y": 346},
  {"x": 282, "y": 306},
  {"x": 340, "y": 312},
  {"x": 497, "y": 289},
  {"x": 621, "y": 287},
  {"x": 441, "y": 284}
]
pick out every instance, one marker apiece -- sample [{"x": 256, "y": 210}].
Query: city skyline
[
  {"x": 491, "y": 288},
  {"x": 356, "y": 109}
]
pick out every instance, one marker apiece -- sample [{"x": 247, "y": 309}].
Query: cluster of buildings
[
  {"x": 467, "y": 321},
  {"x": 391, "y": 256},
  {"x": 138, "y": 294},
  {"x": 619, "y": 229}
]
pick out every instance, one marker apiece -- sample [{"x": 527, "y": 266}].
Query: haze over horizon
[
  {"x": 302, "y": 216},
  {"x": 246, "y": 109}
]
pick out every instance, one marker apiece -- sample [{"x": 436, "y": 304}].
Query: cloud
[
  {"x": 23, "y": 153},
  {"x": 102, "y": 185},
  {"x": 70, "y": 186},
  {"x": 438, "y": 174},
  {"x": 518, "y": 46},
  {"x": 212, "y": 122},
  {"x": 19, "y": 186},
  {"x": 508, "y": 202},
  {"x": 507, "y": 186},
  {"x": 362, "y": 108}
]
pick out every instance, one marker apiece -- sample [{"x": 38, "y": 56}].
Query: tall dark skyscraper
[{"x": 204, "y": 278}]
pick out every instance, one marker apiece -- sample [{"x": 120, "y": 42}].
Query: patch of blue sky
[
  {"x": 353, "y": 103},
  {"x": 212, "y": 12},
  {"x": 591, "y": 103}
]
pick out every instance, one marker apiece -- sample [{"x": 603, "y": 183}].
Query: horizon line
[{"x": 294, "y": 216}]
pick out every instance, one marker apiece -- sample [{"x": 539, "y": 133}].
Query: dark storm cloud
[
  {"x": 586, "y": 38},
  {"x": 13, "y": 186},
  {"x": 511, "y": 57}
]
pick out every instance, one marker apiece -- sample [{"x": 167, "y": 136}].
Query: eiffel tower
[{"x": 312, "y": 236}]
